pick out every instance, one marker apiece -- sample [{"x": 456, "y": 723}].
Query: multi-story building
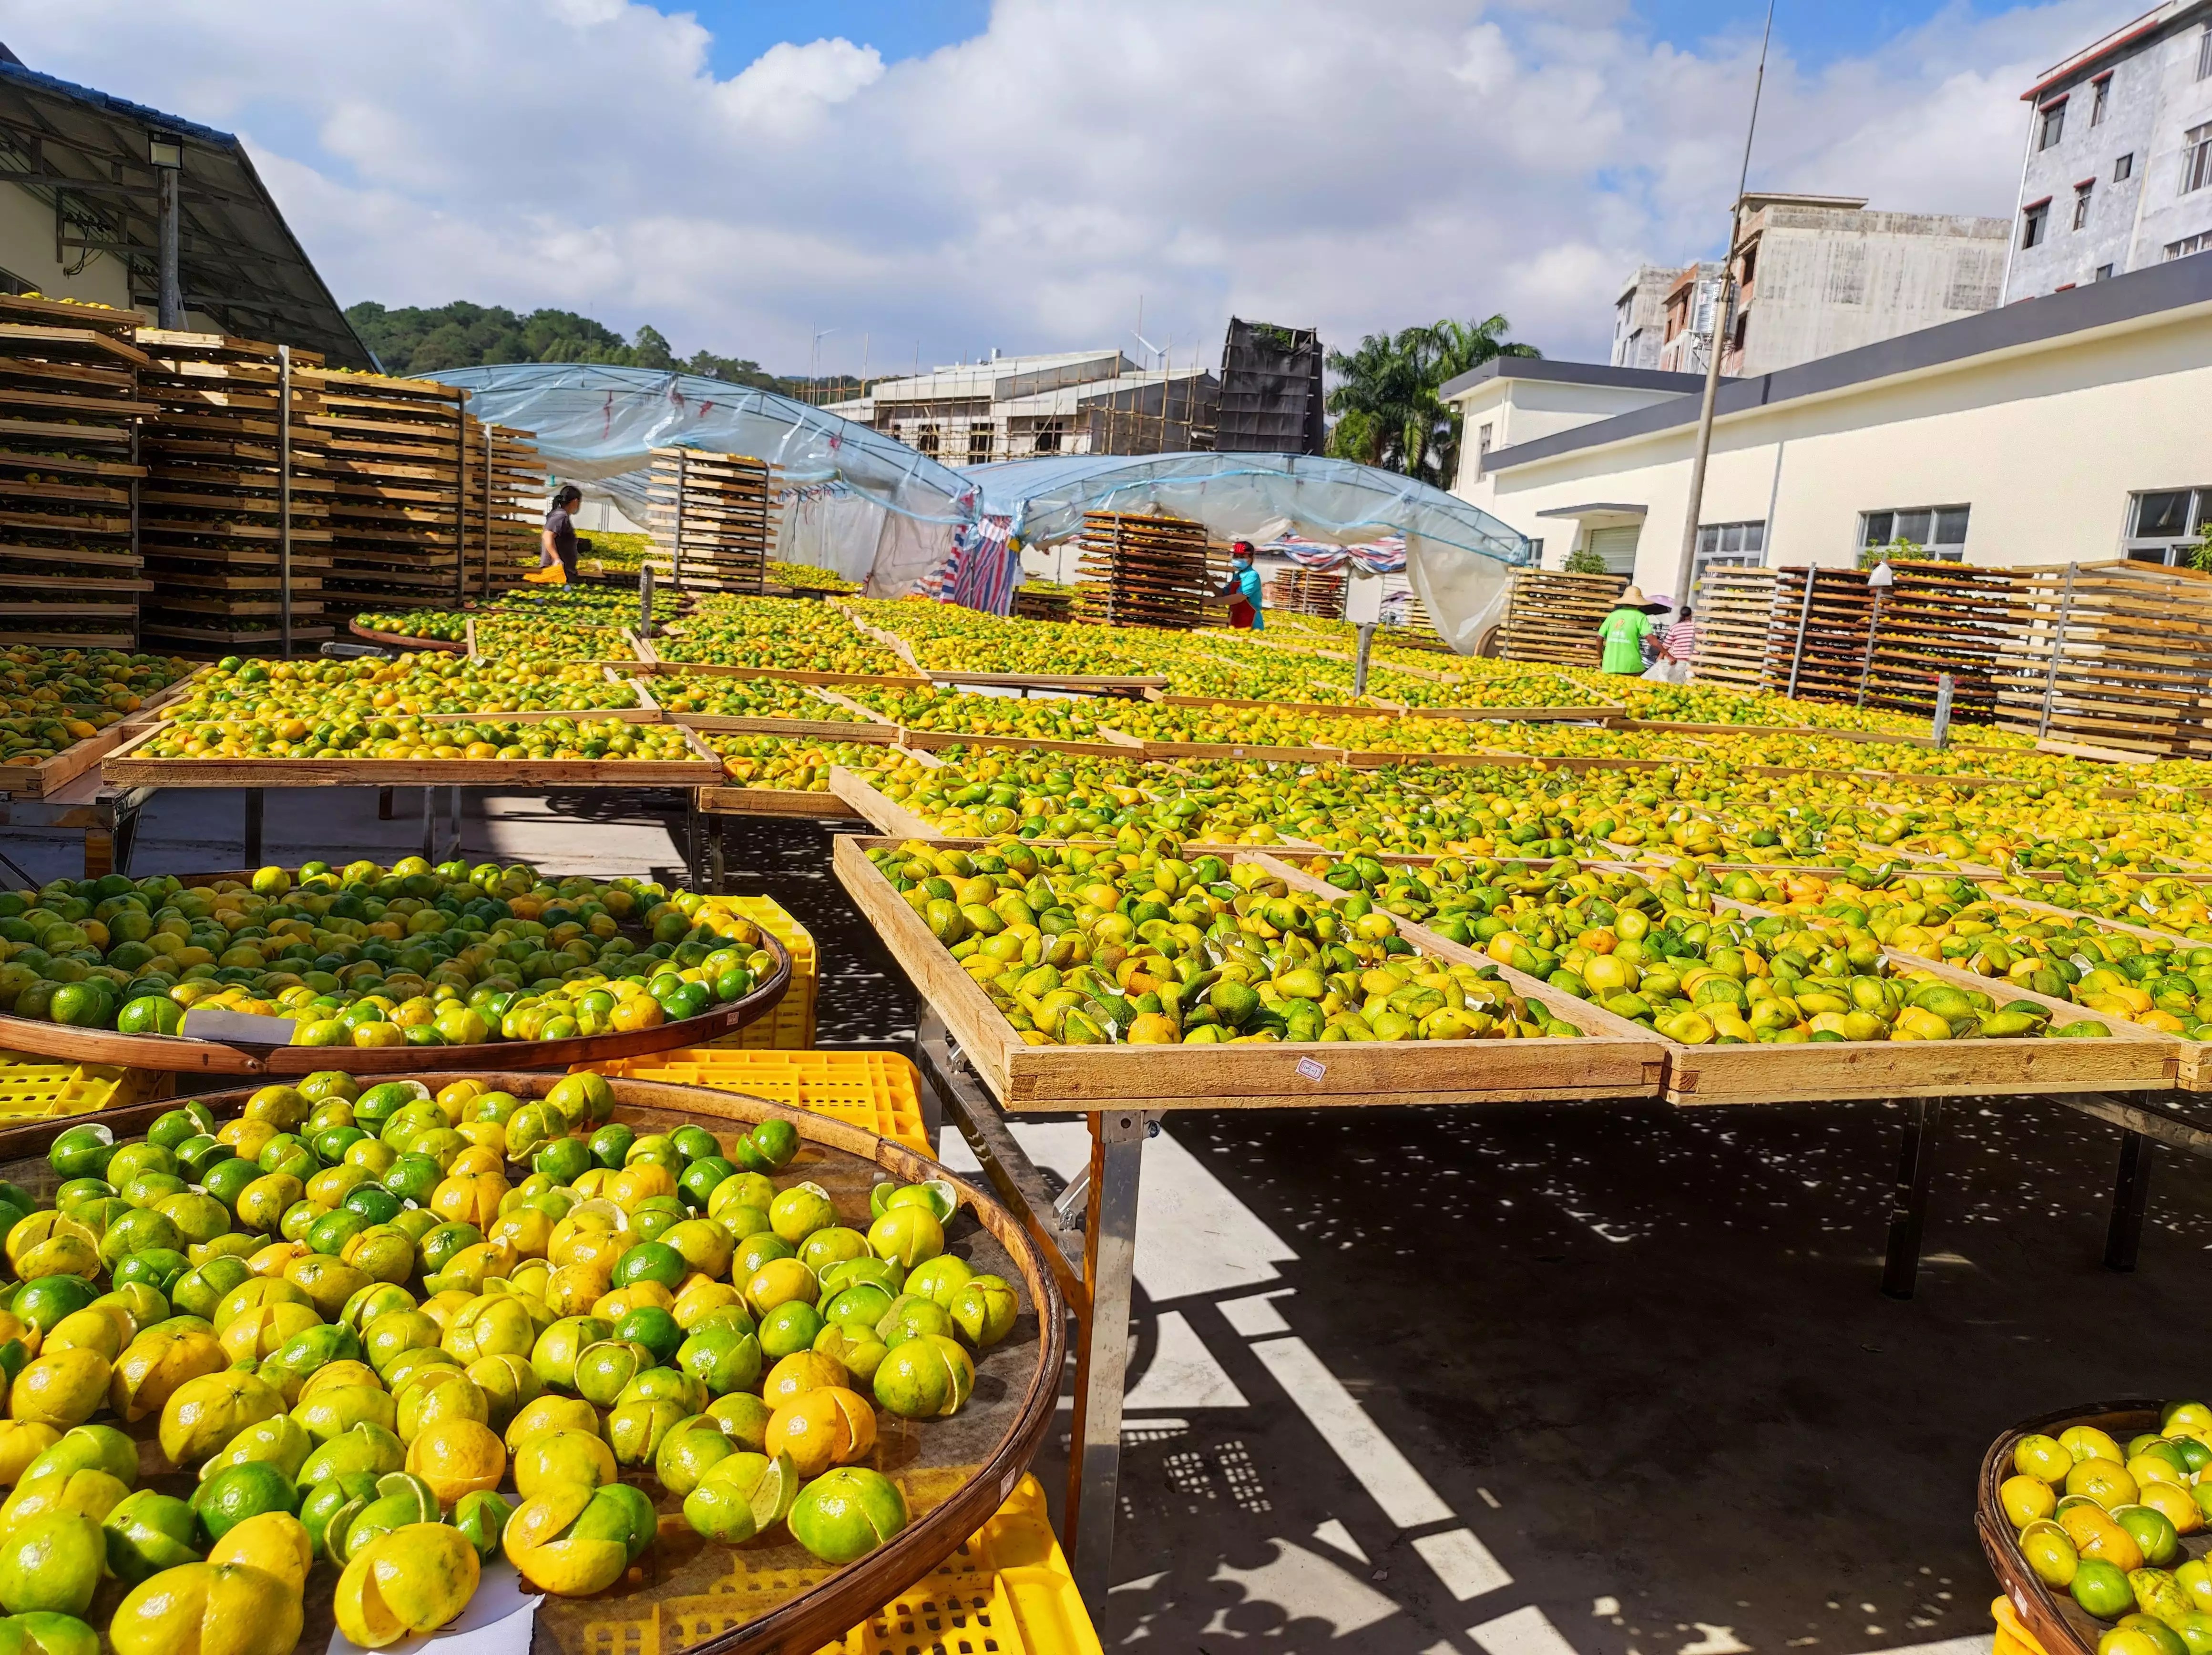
[
  {"x": 1814, "y": 274},
  {"x": 1006, "y": 408},
  {"x": 2117, "y": 174}
]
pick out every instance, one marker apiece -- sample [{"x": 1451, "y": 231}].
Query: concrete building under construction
[{"x": 1014, "y": 408}]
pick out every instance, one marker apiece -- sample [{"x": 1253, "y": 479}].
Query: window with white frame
[
  {"x": 1938, "y": 532},
  {"x": 2190, "y": 244},
  {"x": 2032, "y": 222},
  {"x": 2098, "y": 104},
  {"x": 2196, "y": 158},
  {"x": 1481, "y": 452},
  {"x": 1727, "y": 546},
  {"x": 2054, "y": 126},
  {"x": 2163, "y": 524},
  {"x": 2204, "y": 54},
  {"x": 2082, "y": 194}
]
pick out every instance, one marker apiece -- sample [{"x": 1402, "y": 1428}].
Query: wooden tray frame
[
  {"x": 121, "y": 768},
  {"x": 849, "y": 1595},
  {"x": 1288, "y": 1075},
  {"x": 398, "y": 641},
  {"x": 174, "y": 1054},
  {"x": 50, "y": 776}
]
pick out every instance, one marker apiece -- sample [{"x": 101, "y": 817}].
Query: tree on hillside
[
  {"x": 1389, "y": 410},
  {"x": 415, "y": 340}
]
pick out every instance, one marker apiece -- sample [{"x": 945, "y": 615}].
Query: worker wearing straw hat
[{"x": 1623, "y": 633}]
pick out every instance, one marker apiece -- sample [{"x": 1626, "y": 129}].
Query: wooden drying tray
[
  {"x": 1288, "y": 1075},
  {"x": 1095, "y": 685},
  {"x": 176, "y": 1055},
  {"x": 936, "y": 740},
  {"x": 2133, "y": 1058},
  {"x": 122, "y": 769},
  {"x": 35, "y": 781},
  {"x": 769, "y": 1594},
  {"x": 732, "y": 801}
]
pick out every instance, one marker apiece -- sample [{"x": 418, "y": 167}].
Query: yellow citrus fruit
[
  {"x": 457, "y": 1457},
  {"x": 822, "y": 1428},
  {"x": 414, "y": 1580},
  {"x": 219, "y": 1609},
  {"x": 276, "y": 1543},
  {"x": 575, "y": 1457}
]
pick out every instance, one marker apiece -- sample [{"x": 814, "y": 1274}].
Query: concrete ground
[{"x": 1560, "y": 1380}]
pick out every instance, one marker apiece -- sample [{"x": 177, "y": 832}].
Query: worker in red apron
[{"x": 1243, "y": 590}]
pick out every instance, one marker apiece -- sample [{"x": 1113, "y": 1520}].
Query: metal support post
[
  {"x": 254, "y": 805},
  {"x": 453, "y": 820},
  {"x": 645, "y": 601},
  {"x": 1366, "y": 643},
  {"x": 1804, "y": 615},
  {"x": 718, "y": 855},
  {"x": 1943, "y": 691},
  {"x": 284, "y": 496},
  {"x": 2130, "y": 1195},
  {"x": 172, "y": 301},
  {"x": 1109, "y": 1251},
  {"x": 694, "y": 856},
  {"x": 1908, "y": 1212},
  {"x": 384, "y": 804},
  {"x": 430, "y": 824},
  {"x": 2057, "y": 650},
  {"x": 460, "y": 500}
]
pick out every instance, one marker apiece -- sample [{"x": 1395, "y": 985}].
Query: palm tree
[{"x": 1386, "y": 399}]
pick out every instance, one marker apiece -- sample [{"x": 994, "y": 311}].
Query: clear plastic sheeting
[
  {"x": 856, "y": 501},
  {"x": 1460, "y": 560}
]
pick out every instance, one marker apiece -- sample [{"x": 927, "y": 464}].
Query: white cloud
[{"x": 1354, "y": 165}]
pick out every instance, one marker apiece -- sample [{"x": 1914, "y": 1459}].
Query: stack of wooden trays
[
  {"x": 1142, "y": 572},
  {"x": 2115, "y": 654},
  {"x": 69, "y": 423},
  {"x": 399, "y": 507},
  {"x": 1552, "y": 616},
  {"x": 210, "y": 515},
  {"x": 1036, "y": 601},
  {"x": 1939, "y": 618},
  {"x": 502, "y": 531},
  {"x": 1308, "y": 591},
  {"x": 713, "y": 519},
  {"x": 1819, "y": 633},
  {"x": 1733, "y": 609}
]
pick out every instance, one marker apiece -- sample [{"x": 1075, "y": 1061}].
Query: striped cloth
[
  {"x": 981, "y": 571},
  {"x": 1682, "y": 640}
]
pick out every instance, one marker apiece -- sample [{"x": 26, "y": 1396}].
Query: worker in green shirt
[{"x": 1623, "y": 633}]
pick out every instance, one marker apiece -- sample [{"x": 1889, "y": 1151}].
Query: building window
[
  {"x": 1727, "y": 545},
  {"x": 2097, "y": 105},
  {"x": 2163, "y": 524},
  {"x": 2196, "y": 244},
  {"x": 2054, "y": 126},
  {"x": 1481, "y": 453},
  {"x": 1936, "y": 531},
  {"x": 925, "y": 440},
  {"x": 2204, "y": 54},
  {"x": 2196, "y": 158},
  {"x": 979, "y": 444},
  {"x": 2031, "y": 224},
  {"x": 2104, "y": 273},
  {"x": 2082, "y": 194},
  {"x": 1048, "y": 437},
  {"x": 2124, "y": 168}
]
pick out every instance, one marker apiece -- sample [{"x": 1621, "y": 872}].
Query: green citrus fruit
[
  {"x": 238, "y": 1492},
  {"x": 52, "y": 1563},
  {"x": 846, "y": 1513},
  {"x": 742, "y": 1494}
]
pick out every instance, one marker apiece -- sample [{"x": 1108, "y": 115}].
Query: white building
[
  {"x": 1005, "y": 407},
  {"x": 2117, "y": 174},
  {"x": 2074, "y": 428}
]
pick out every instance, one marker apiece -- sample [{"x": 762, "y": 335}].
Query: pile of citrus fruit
[
  {"x": 783, "y": 763},
  {"x": 792, "y": 632},
  {"x": 746, "y": 698},
  {"x": 51, "y": 699},
  {"x": 1086, "y": 947},
  {"x": 364, "y": 955},
  {"x": 352, "y": 735},
  {"x": 359, "y": 1347},
  {"x": 314, "y": 691},
  {"x": 2105, "y": 1522}
]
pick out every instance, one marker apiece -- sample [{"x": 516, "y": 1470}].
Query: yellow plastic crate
[
  {"x": 790, "y": 1026},
  {"x": 1008, "y": 1589},
  {"x": 879, "y": 1092},
  {"x": 32, "y": 1087}
]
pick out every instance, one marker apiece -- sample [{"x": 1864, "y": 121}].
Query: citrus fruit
[
  {"x": 846, "y": 1513},
  {"x": 90, "y": 1494},
  {"x": 789, "y": 1328},
  {"x": 651, "y": 1261},
  {"x": 985, "y": 1309},
  {"x": 90, "y": 1447},
  {"x": 799, "y": 1211},
  {"x": 235, "y": 1493},
  {"x": 202, "y": 1413},
  {"x": 457, "y": 1457},
  {"x": 561, "y": 1545},
  {"x": 635, "y": 1427},
  {"x": 821, "y": 1428},
  {"x": 156, "y": 1363},
  {"x": 907, "y": 1235},
  {"x": 52, "y": 1562},
  {"x": 276, "y": 1543},
  {"x": 414, "y": 1580},
  {"x": 362, "y": 1446},
  {"x": 545, "y": 1413},
  {"x": 927, "y": 1376},
  {"x": 722, "y": 1355},
  {"x": 208, "y": 1606},
  {"x": 563, "y": 1455},
  {"x": 62, "y": 1390},
  {"x": 688, "y": 1452},
  {"x": 2151, "y": 1530},
  {"x": 742, "y": 1494},
  {"x": 742, "y": 1417},
  {"x": 280, "y": 1441},
  {"x": 480, "y": 1517},
  {"x": 331, "y": 1504},
  {"x": 147, "y": 1532}
]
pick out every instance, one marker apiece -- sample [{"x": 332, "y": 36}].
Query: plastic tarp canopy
[
  {"x": 1460, "y": 560},
  {"x": 856, "y": 500}
]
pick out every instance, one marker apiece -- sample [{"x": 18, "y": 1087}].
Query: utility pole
[
  {"x": 1687, "y": 560},
  {"x": 168, "y": 155}
]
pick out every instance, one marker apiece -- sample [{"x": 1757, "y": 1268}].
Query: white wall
[
  {"x": 27, "y": 251},
  {"x": 2046, "y": 444}
]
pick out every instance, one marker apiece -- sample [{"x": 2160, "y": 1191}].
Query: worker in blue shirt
[{"x": 1243, "y": 589}]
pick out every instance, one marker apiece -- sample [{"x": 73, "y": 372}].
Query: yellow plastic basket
[
  {"x": 790, "y": 1026},
  {"x": 879, "y": 1092},
  {"x": 33, "y": 1088}
]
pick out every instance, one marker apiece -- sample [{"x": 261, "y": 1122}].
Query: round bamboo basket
[
  {"x": 769, "y": 1594},
  {"x": 174, "y": 1054}
]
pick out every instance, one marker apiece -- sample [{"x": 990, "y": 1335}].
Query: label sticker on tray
[{"x": 1308, "y": 1069}]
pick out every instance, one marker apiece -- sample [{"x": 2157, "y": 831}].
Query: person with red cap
[{"x": 1243, "y": 590}]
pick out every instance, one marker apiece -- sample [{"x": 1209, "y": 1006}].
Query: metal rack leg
[
  {"x": 718, "y": 855},
  {"x": 1094, "y": 1459},
  {"x": 430, "y": 824},
  {"x": 255, "y": 804},
  {"x": 2130, "y": 1195},
  {"x": 454, "y": 820},
  {"x": 384, "y": 804},
  {"x": 692, "y": 858},
  {"x": 1909, "y": 1199},
  {"x": 126, "y": 836}
]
